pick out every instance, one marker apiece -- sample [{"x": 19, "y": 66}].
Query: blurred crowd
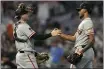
[{"x": 46, "y": 17}]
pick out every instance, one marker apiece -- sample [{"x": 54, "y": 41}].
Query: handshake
[{"x": 56, "y": 32}]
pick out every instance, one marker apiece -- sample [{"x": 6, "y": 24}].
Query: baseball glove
[
  {"x": 74, "y": 58},
  {"x": 42, "y": 57}
]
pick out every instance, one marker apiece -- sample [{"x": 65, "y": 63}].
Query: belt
[
  {"x": 21, "y": 51},
  {"x": 81, "y": 46},
  {"x": 36, "y": 53},
  {"x": 25, "y": 51}
]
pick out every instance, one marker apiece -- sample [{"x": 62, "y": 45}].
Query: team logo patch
[
  {"x": 79, "y": 32},
  {"x": 91, "y": 30}
]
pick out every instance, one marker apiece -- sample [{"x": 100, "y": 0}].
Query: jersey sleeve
[
  {"x": 28, "y": 31},
  {"x": 89, "y": 28}
]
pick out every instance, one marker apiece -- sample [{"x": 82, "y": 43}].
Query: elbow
[
  {"x": 92, "y": 42},
  {"x": 73, "y": 38},
  {"x": 91, "y": 39}
]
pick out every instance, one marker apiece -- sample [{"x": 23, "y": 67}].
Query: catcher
[
  {"x": 84, "y": 39},
  {"x": 27, "y": 57}
]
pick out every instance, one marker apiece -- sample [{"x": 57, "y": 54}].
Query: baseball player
[
  {"x": 23, "y": 34},
  {"x": 84, "y": 37}
]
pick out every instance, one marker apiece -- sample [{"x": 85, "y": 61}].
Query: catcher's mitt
[
  {"x": 42, "y": 57},
  {"x": 74, "y": 58}
]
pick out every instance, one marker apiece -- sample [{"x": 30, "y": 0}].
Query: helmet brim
[{"x": 78, "y": 9}]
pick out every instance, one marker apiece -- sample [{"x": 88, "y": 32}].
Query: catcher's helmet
[
  {"x": 86, "y": 6},
  {"x": 22, "y": 9}
]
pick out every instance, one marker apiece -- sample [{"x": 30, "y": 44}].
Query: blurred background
[{"x": 47, "y": 16}]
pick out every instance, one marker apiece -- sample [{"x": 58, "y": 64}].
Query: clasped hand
[{"x": 55, "y": 32}]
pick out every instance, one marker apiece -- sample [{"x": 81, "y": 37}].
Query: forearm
[
  {"x": 89, "y": 45},
  {"x": 41, "y": 36},
  {"x": 67, "y": 37}
]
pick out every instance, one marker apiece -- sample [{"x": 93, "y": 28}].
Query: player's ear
[{"x": 22, "y": 16}]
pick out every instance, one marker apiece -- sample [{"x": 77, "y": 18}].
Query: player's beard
[{"x": 81, "y": 16}]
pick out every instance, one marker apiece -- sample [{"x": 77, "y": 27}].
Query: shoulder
[
  {"x": 24, "y": 25},
  {"x": 81, "y": 25},
  {"x": 87, "y": 22}
]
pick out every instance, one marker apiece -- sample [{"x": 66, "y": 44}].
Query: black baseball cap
[{"x": 84, "y": 6}]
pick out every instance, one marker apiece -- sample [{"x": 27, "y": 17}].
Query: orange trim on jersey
[
  {"x": 32, "y": 34},
  {"x": 72, "y": 66},
  {"x": 31, "y": 61}
]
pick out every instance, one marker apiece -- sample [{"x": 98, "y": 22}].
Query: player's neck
[
  {"x": 85, "y": 16},
  {"x": 22, "y": 21}
]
